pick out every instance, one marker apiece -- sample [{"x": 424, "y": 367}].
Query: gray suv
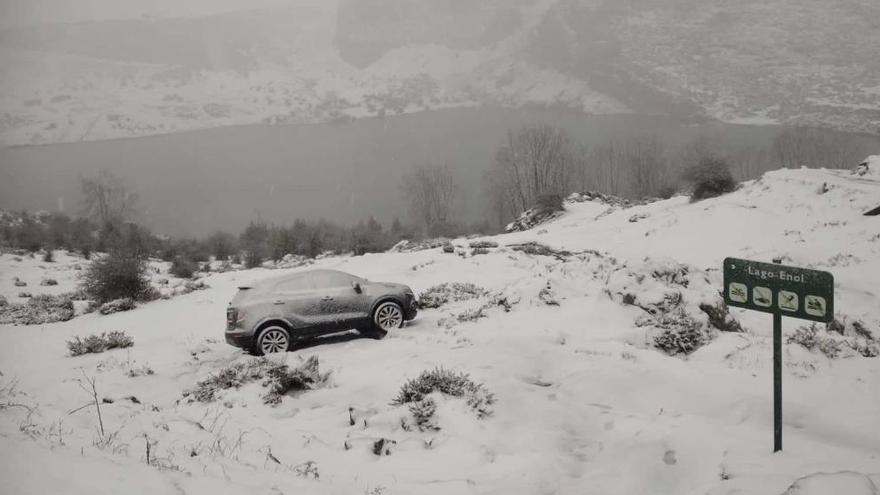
[{"x": 270, "y": 315}]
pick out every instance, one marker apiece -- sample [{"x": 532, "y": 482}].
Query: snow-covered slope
[{"x": 584, "y": 402}]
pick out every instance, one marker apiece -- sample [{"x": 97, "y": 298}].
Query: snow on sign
[{"x": 771, "y": 288}]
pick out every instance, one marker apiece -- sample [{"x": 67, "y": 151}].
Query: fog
[
  {"x": 467, "y": 247},
  {"x": 325, "y": 104},
  {"x": 22, "y": 13}
]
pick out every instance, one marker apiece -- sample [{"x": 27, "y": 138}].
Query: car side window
[
  {"x": 328, "y": 280},
  {"x": 297, "y": 284}
]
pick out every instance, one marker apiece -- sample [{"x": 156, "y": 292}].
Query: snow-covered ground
[{"x": 584, "y": 403}]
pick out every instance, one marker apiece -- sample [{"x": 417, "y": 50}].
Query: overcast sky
[{"x": 17, "y": 13}]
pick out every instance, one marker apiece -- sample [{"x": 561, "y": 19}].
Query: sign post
[{"x": 781, "y": 291}]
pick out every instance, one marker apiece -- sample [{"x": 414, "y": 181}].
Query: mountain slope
[
  {"x": 800, "y": 63},
  {"x": 585, "y": 403}
]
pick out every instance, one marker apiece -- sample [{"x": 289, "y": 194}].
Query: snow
[
  {"x": 584, "y": 403},
  {"x": 843, "y": 482},
  {"x": 870, "y": 167}
]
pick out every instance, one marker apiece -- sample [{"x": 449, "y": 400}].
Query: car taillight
[{"x": 232, "y": 316}]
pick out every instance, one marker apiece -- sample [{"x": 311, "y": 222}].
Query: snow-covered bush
[
  {"x": 194, "y": 285},
  {"x": 49, "y": 256},
  {"x": 279, "y": 378},
  {"x": 439, "y": 295},
  {"x": 449, "y": 383},
  {"x": 38, "y": 310},
  {"x": 871, "y": 166},
  {"x": 669, "y": 271},
  {"x": 854, "y": 327},
  {"x": 709, "y": 178},
  {"x": 48, "y": 282},
  {"x": 810, "y": 338},
  {"x": 476, "y": 313},
  {"x": 720, "y": 318},
  {"x": 94, "y": 344},
  {"x": 483, "y": 244},
  {"x": 18, "y": 282},
  {"x": 118, "y": 340},
  {"x": 182, "y": 267},
  {"x": 233, "y": 376},
  {"x": 681, "y": 334},
  {"x": 118, "y": 275},
  {"x": 549, "y": 203},
  {"x": 407, "y": 246},
  {"x": 606, "y": 199},
  {"x": 538, "y": 249},
  {"x": 142, "y": 370},
  {"x": 531, "y": 218},
  {"x": 548, "y": 296},
  {"x": 383, "y": 446},
  {"x": 423, "y": 413},
  {"x": 479, "y": 251},
  {"x": 116, "y": 306},
  {"x": 813, "y": 338},
  {"x": 178, "y": 288},
  {"x": 3, "y": 302}
]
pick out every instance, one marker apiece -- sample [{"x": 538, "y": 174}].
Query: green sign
[
  {"x": 782, "y": 291},
  {"x": 779, "y": 289}
]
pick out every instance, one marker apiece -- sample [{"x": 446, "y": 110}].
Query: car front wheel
[
  {"x": 388, "y": 316},
  {"x": 273, "y": 339}
]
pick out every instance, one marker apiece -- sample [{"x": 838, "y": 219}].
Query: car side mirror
[{"x": 357, "y": 287}]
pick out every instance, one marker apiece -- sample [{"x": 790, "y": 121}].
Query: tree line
[
  {"x": 535, "y": 165},
  {"x": 107, "y": 224},
  {"x": 539, "y": 164}
]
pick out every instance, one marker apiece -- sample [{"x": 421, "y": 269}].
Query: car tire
[
  {"x": 388, "y": 316},
  {"x": 272, "y": 339}
]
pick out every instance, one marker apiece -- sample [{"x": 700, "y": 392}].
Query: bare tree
[
  {"x": 106, "y": 198},
  {"x": 607, "y": 162},
  {"x": 535, "y": 161},
  {"x": 810, "y": 147},
  {"x": 645, "y": 164},
  {"x": 430, "y": 191}
]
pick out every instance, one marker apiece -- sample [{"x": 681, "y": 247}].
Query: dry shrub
[
  {"x": 119, "y": 275},
  {"x": 279, "y": 378},
  {"x": 681, "y": 333},
  {"x": 94, "y": 344},
  {"x": 709, "y": 178},
  {"x": 116, "y": 306},
  {"x": 442, "y": 294},
  {"x": 447, "y": 382},
  {"x": 38, "y": 310}
]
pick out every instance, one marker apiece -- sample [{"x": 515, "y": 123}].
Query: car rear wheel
[
  {"x": 388, "y": 316},
  {"x": 273, "y": 339}
]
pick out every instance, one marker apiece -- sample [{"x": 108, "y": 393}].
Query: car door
[
  {"x": 342, "y": 306},
  {"x": 298, "y": 302}
]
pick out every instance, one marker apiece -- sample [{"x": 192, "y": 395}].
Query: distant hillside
[{"x": 804, "y": 62}]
